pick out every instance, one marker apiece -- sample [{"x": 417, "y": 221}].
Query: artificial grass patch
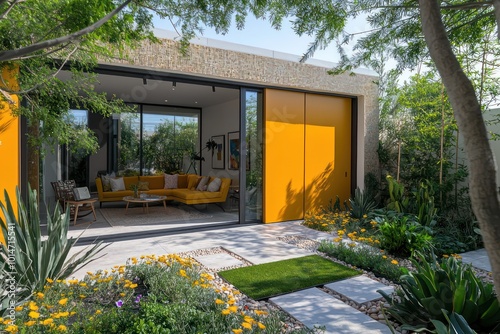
[{"x": 275, "y": 278}]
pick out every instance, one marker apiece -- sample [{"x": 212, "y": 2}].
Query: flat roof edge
[{"x": 214, "y": 43}]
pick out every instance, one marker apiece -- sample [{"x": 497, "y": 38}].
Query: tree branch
[
  {"x": 10, "y": 7},
  {"x": 17, "y": 53}
]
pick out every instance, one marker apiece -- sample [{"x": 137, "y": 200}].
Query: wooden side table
[{"x": 83, "y": 205}]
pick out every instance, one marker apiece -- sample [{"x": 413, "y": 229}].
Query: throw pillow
[
  {"x": 202, "y": 185},
  {"x": 117, "y": 184},
  {"x": 143, "y": 186},
  {"x": 214, "y": 186},
  {"x": 171, "y": 181},
  {"x": 105, "y": 182}
]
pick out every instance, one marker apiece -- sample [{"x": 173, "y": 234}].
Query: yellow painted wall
[
  {"x": 283, "y": 155},
  {"x": 9, "y": 142},
  {"x": 327, "y": 150}
]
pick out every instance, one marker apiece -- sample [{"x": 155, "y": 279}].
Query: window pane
[{"x": 254, "y": 156}]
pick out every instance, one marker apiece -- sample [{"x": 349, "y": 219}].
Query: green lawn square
[{"x": 275, "y": 278}]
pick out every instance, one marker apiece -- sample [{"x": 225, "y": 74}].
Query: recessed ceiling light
[
  {"x": 166, "y": 100},
  {"x": 195, "y": 102}
]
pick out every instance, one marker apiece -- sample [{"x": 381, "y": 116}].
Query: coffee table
[{"x": 145, "y": 199}]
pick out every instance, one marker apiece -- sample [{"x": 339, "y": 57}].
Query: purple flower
[
  {"x": 137, "y": 299},
  {"x": 119, "y": 303}
]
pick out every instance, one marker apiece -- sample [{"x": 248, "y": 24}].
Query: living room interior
[{"x": 166, "y": 131}]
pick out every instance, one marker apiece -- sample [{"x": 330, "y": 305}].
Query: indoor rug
[{"x": 157, "y": 215}]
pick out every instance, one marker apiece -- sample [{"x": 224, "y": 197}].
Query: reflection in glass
[
  {"x": 157, "y": 142},
  {"x": 254, "y": 156}
]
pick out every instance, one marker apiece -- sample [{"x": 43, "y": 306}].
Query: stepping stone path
[
  {"x": 314, "y": 307},
  {"x": 218, "y": 261}
]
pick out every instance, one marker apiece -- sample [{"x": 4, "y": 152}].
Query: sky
[{"x": 259, "y": 33}]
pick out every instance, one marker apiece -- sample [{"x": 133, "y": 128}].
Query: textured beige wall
[{"x": 241, "y": 67}]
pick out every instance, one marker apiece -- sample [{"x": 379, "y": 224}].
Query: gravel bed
[{"x": 372, "y": 309}]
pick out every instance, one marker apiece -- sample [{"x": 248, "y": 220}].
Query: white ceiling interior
[{"x": 172, "y": 93}]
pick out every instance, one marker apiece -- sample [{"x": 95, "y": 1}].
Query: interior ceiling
[{"x": 135, "y": 90}]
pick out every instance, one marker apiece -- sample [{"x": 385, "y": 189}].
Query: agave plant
[
  {"x": 361, "y": 204},
  {"x": 430, "y": 296},
  {"x": 27, "y": 257}
]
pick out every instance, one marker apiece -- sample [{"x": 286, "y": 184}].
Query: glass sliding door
[
  {"x": 76, "y": 161},
  {"x": 169, "y": 139},
  {"x": 129, "y": 140},
  {"x": 254, "y": 161},
  {"x": 156, "y": 139}
]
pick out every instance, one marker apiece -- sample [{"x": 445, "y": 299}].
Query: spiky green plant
[
  {"x": 28, "y": 257},
  {"x": 431, "y": 294}
]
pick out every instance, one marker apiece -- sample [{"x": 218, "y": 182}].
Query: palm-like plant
[{"x": 28, "y": 258}]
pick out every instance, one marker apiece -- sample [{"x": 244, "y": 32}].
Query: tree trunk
[{"x": 482, "y": 180}]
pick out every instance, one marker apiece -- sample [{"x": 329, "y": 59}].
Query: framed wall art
[
  {"x": 218, "y": 156},
  {"x": 233, "y": 143}
]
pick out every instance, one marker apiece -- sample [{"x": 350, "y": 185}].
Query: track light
[
  {"x": 213, "y": 89},
  {"x": 144, "y": 81}
]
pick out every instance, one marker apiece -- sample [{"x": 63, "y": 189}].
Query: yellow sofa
[{"x": 156, "y": 186}]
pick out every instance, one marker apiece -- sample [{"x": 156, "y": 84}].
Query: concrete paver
[
  {"x": 218, "y": 261},
  {"x": 360, "y": 289},
  {"x": 314, "y": 307},
  {"x": 478, "y": 258}
]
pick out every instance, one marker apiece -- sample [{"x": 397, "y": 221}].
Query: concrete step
[
  {"x": 314, "y": 307},
  {"x": 360, "y": 289}
]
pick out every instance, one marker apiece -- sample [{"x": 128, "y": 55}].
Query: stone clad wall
[{"x": 210, "y": 62}]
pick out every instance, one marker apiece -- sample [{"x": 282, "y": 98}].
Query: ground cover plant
[
  {"x": 275, "y": 278},
  {"x": 150, "y": 294}
]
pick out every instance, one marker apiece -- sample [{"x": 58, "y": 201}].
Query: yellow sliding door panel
[
  {"x": 283, "y": 155},
  {"x": 327, "y": 150},
  {"x": 9, "y": 141}
]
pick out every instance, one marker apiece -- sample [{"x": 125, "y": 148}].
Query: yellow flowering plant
[{"x": 167, "y": 290}]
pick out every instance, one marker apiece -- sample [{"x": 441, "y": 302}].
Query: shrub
[
  {"x": 164, "y": 294},
  {"x": 31, "y": 258},
  {"x": 401, "y": 234},
  {"x": 364, "y": 257},
  {"x": 437, "y": 289}
]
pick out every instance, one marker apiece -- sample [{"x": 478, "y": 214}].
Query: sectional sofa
[{"x": 186, "y": 190}]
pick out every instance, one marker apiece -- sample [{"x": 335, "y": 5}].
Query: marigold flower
[
  {"x": 47, "y": 321},
  {"x": 34, "y": 315},
  {"x": 182, "y": 272},
  {"x": 246, "y": 325},
  {"x": 394, "y": 262},
  {"x": 63, "y": 301},
  {"x": 62, "y": 328},
  {"x": 49, "y": 280},
  {"x": 261, "y": 325},
  {"x": 363, "y": 230},
  {"x": 237, "y": 331},
  {"x": 18, "y": 308},
  {"x": 11, "y": 329},
  {"x": 260, "y": 312},
  {"x": 225, "y": 312},
  {"x": 233, "y": 308},
  {"x": 32, "y": 306},
  {"x": 30, "y": 323},
  {"x": 384, "y": 257}
]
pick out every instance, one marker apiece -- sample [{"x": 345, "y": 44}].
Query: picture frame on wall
[
  {"x": 218, "y": 156},
  {"x": 233, "y": 146}
]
